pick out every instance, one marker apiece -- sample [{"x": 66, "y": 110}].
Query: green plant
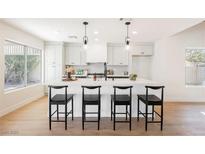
[
  {"x": 133, "y": 77},
  {"x": 195, "y": 56},
  {"x": 15, "y": 67}
]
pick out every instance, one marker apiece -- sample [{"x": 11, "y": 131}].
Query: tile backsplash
[{"x": 99, "y": 68}]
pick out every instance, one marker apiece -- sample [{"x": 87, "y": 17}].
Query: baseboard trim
[{"x": 19, "y": 105}]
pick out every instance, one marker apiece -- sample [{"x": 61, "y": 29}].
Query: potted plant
[{"x": 133, "y": 77}]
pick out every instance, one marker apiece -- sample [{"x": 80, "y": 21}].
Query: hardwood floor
[{"x": 179, "y": 119}]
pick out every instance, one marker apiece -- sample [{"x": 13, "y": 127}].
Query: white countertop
[
  {"x": 102, "y": 82},
  {"x": 117, "y": 75}
]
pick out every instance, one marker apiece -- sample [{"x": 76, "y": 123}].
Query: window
[
  {"x": 22, "y": 65},
  {"x": 195, "y": 66}
]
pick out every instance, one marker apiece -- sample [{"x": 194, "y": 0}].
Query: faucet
[{"x": 105, "y": 71}]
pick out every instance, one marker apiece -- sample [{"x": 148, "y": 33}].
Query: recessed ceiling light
[
  {"x": 96, "y": 32},
  {"x": 134, "y": 32},
  {"x": 96, "y": 39}
]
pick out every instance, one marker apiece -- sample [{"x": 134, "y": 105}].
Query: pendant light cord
[
  {"x": 127, "y": 30},
  {"x": 85, "y": 30}
]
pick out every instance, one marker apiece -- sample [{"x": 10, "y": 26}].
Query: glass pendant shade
[
  {"x": 127, "y": 38},
  {"x": 85, "y": 38}
]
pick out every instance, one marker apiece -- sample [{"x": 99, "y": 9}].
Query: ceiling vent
[
  {"x": 72, "y": 37},
  {"x": 126, "y": 19}
]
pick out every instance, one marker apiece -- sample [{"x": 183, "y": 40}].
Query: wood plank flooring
[{"x": 179, "y": 119}]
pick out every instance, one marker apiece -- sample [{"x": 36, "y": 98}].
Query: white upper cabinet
[
  {"x": 141, "y": 50},
  {"x": 117, "y": 55},
  {"x": 120, "y": 56},
  {"x": 109, "y": 55},
  {"x": 72, "y": 55},
  {"x": 83, "y": 57},
  {"x": 75, "y": 55}
]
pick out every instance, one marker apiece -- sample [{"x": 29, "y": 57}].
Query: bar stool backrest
[
  {"x": 90, "y": 87},
  {"x": 57, "y": 87},
  {"x": 122, "y": 88},
  {"x": 155, "y": 88}
]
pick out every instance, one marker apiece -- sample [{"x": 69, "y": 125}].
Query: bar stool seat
[
  {"x": 152, "y": 99},
  {"x": 121, "y": 99},
  {"x": 60, "y": 98},
  {"x": 91, "y": 99}
]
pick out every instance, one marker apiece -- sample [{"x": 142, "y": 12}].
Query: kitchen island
[{"x": 74, "y": 87}]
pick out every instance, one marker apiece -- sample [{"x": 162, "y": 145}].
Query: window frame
[
  {"x": 191, "y": 85},
  {"x": 25, "y": 85}
]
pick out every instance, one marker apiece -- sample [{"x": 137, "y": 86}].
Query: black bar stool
[
  {"x": 57, "y": 100},
  {"x": 90, "y": 99},
  {"x": 121, "y": 100},
  {"x": 151, "y": 100}
]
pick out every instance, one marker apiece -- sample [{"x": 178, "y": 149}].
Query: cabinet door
[
  {"x": 73, "y": 55},
  {"x": 109, "y": 56},
  {"x": 53, "y": 62},
  {"x": 83, "y": 57},
  {"x": 143, "y": 50},
  {"x": 50, "y": 64},
  {"x": 120, "y": 56}
]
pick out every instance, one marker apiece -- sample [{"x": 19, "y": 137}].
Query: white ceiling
[{"x": 110, "y": 30}]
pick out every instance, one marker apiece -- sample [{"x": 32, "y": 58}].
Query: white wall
[
  {"x": 168, "y": 65},
  {"x": 11, "y": 100},
  {"x": 141, "y": 66}
]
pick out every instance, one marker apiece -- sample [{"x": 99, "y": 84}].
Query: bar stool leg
[
  {"x": 161, "y": 117},
  {"x": 114, "y": 117},
  {"x": 72, "y": 108},
  {"x": 130, "y": 116},
  {"x": 152, "y": 112},
  {"x": 146, "y": 108},
  {"x": 98, "y": 116},
  {"x": 138, "y": 108},
  {"x": 66, "y": 116},
  {"x": 111, "y": 109},
  {"x": 126, "y": 112},
  {"x": 57, "y": 112},
  {"x": 49, "y": 115},
  {"x": 100, "y": 112},
  {"x": 83, "y": 116}
]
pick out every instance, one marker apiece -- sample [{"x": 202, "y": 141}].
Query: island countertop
[
  {"x": 103, "y": 82},
  {"x": 106, "y": 85}
]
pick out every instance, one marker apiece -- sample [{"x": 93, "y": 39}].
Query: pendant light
[
  {"x": 85, "y": 38},
  {"x": 127, "y": 38}
]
